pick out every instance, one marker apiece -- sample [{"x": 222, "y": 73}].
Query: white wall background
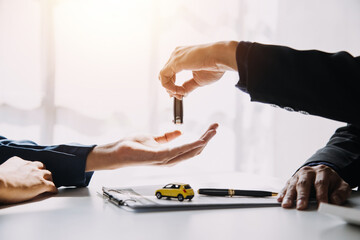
[{"x": 86, "y": 71}]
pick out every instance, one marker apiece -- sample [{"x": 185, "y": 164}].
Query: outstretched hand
[
  {"x": 329, "y": 187},
  {"x": 146, "y": 150}
]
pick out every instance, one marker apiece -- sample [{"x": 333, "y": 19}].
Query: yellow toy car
[{"x": 180, "y": 191}]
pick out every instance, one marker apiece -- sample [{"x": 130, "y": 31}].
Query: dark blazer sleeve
[
  {"x": 314, "y": 82},
  {"x": 343, "y": 152},
  {"x": 66, "y": 162}
]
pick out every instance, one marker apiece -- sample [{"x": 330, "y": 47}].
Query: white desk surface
[{"x": 83, "y": 214}]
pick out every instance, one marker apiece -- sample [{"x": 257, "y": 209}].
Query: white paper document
[
  {"x": 143, "y": 198},
  {"x": 350, "y": 215}
]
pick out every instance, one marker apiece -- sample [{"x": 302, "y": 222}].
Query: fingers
[
  {"x": 213, "y": 126},
  {"x": 38, "y": 164},
  {"x": 190, "y": 86},
  {"x": 290, "y": 195},
  {"x": 48, "y": 183},
  {"x": 178, "y": 96},
  {"x": 202, "y": 60},
  {"x": 303, "y": 188},
  {"x": 299, "y": 188},
  {"x": 47, "y": 175},
  {"x": 180, "y": 153},
  {"x": 208, "y": 135},
  {"x": 283, "y": 192},
  {"x": 171, "y": 94},
  {"x": 167, "y": 137},
  {"x": 189, "y": 153},
  {"x": 321, "y": 183},
  {"x": 50, "y": 187},
  {"x": 163, "y": 156},
  {"x": 176, "y": 151},
  {"x": 325, "y": 181},
  {"x": 167, "y": 77},
  {"x": 341, "y": 193},
  {"x": 184, "y": 156}
]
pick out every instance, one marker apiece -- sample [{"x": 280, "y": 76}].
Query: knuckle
[
  {"x": 345, "y": 184},
  {"x": 177, "y": 49},
  {"x": 302, "y": 196},
  {"x": 344, "y": 189},
  {"x": 287, "y": 183},
  {"x": 347, "y": 188},
  {"x": 284, "y": 189},
  {"x": 302, "y": 183},
  {"x": 325, "y": 169},
  {"x": 289, "y": 197},
  {"x": 321, "y": 166},
  {"x": 306, "y": 169},
  {"x": 292, "y": 184},
  {"x": 291, "y": 187},
  {"x": 126, "y": 147},
  {"x": 161, "y": 75},
  {"x": 320, "y": 183},
  {"x": 282, "y": 193},
  {"x": 341, "y": 191},
  {"x": 43, "y": 181},
  {"x": 291, "y": 192}
]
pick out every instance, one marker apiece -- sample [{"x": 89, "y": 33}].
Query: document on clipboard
[{"x": 142, "y": 198}]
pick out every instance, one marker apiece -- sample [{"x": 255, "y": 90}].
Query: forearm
[
  {"x": 225, "y": 55},
  {"x": 2, "y": 187},
  {"x": 66, "y": 162},
  {"x": 3, "y": 190},
  {"x": 102, "y": 158}
]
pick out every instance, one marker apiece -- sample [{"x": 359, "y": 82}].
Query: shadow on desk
[
  {"x": 63, "y": 192},
  {"x": 39, "y": 198},
  {"x": 73, "y": 192}
]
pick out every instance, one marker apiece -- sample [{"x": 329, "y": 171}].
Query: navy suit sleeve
[
  {"x": 66, "y": 162},
  {"x": 322, "y": 84}
]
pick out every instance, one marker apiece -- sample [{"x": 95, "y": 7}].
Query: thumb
[
  {"x": 190, "y": 86},
  {"x": 167, "y": 137},
  {"x": 50, "y": 187}
]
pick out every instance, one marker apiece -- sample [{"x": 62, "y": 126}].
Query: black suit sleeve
[
  {"x": 319, "y": 83},
  {"x": 343, "y": 152},
  {"x": 66, "y": 162},
  {"x": 322, "y": 84}
]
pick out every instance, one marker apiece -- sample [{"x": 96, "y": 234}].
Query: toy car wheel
[
  {"x": 158, "y": 195},
  {"x": 190, "y": 198},
  {"x": 180, "y": 197}
]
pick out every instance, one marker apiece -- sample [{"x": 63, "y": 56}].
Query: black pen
[{"x": 233, "y": 192}]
